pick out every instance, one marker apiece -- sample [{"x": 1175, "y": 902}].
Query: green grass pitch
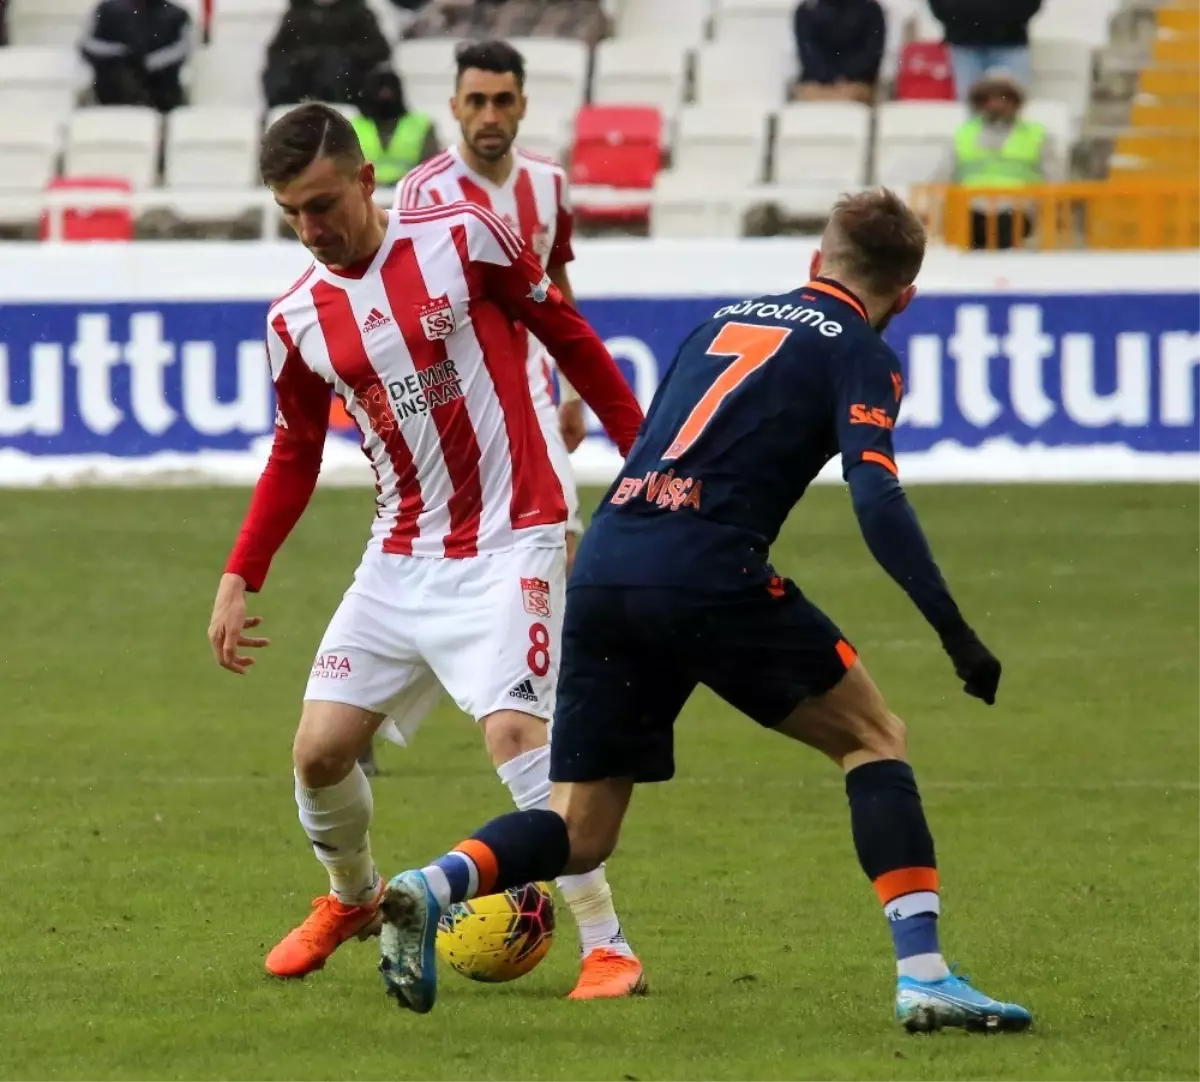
[{"x": 150, "y": 853}]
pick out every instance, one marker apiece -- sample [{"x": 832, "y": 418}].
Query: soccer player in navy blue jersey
[{"x": 673, "y": 587}]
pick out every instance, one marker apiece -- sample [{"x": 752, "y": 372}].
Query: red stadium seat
[
  {"x": 925, "y": 73},
  {"x": 617, "y": 146},
  {"x": 92, "y": 223}
]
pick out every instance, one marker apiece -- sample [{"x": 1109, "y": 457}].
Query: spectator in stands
[
  {"x": 322, "y": 51},
  {"x": 840, "y": 46},
  {"x": 986, "y": 34},
  {"x": 3, "y": 22},
  {"x": 136, "y": 49},
  {"x": 392, "y": 138},
  {"x": 997, "y": 148}
]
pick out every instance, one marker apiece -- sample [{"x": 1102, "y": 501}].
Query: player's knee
[
  {"x": 886, "y": 736},
  {"x": 320, "y": 763},
  {"x": 509, "y": 733}
]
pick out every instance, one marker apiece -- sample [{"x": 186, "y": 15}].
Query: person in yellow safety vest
[
  {"x": 392, "y": 138},
  {"x": 997, "y": 148}
]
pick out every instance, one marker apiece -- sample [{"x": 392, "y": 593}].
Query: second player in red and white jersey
[{"x": 534, "y": 202}]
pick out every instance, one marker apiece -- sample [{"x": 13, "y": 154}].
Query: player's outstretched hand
[
  {"x": 226, "y": 629},
  {"x": 977, "y": 667},
  {"x": 571, "y": 423}
]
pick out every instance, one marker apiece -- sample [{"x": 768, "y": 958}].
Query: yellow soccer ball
[{"x": 499, "y": 937}]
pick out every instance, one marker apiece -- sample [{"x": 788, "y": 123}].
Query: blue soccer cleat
[
  {"x": 926, "y": 1006},
  {"x": 406, "y": 942}
]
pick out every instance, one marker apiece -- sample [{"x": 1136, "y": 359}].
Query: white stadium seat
[
  {"x": 29, "y": 146},
  {"x": 680, "y": 22},
  {"x": 426, "y": 67},
  {"x": 40, "y": 78},
  {"x": 823, "y": 143},
  {"x": 755, "y": 22},
  {"x": 545, "y": 131},
  {"x": 721, "y": 143},
  {"x": 691, "y": 205},
  {"x": 555, "y": 69},
  {"x": 1062, "y": 70},
  {"x": 224, "y": 74},
  {"x": 1056, "y": 116},
  {"x": 1082, "y": 21},
  {"x": 113, "y": 141},
  {"x": 211, "y": 148},
  {"x": 250, "y": 22},
  {"x": 49, "y": 22},
  {"x": 913, "y": 139},
  {"x": 639, "y": 71},
  {"x": 726, "y": 75}
]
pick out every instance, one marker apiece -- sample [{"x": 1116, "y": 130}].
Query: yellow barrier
[
  {"x": 1176, "y": 49},
  {"x": 1109, "y": 215},
  {"x": 1181, "y": 18},
  {"x": 1160, "y": 116},
  {"x": 1170, "y": 82}
]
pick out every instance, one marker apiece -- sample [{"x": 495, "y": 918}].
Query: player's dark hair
[
  {"x": 301, "y": 136},
  {"x": 495, "y": 56},
  {"x": 876, "y": 240}
]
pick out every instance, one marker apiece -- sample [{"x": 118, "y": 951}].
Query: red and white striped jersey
[
  {"x": 534, "y": 202},
  {"x": 421, "y": 347}
]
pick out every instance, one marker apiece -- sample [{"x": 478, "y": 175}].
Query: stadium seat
[
  {"x": 556, "y": 71},
  {"x": 677, "y": 22},
  {"x": 753, "y": 22},
  {"x": 913, "y": 138},
  {"x": 721, "y": 143},
  {"x": 426, "y": 65},
  {"x": 211, "y": 148},
  {"x": 639, "y": 71},
  {"x": 40, "y": 78},
  {"x": 1062, "y": 69},
  {"x": 691, "y": 205},
  {"x": 227, "y": 74},
  {"x": 822, "y": 143},
  {"x": 616, "y": 146},
  {"x": 48, "y": 22},
  {"x": 725, "y": 75},
  {"x": 29, "y": 145},
  {"x": 248, "y": 22},
  {"x": 545, "y": 130},
  {"x": 117, "y": 141},
  {"x": 1082, "y": 21},
  {"x": 113, "y": 222},
  {"x": 1056, "y": 116},
  {"x": 924, "y": 73}
]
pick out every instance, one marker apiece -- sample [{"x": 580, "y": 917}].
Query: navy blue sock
[
  {"x": 517, "y": 848},
  {"x": 895, "y": 850}
]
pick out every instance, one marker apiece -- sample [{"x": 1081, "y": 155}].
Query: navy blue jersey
[{"x": 758, "y": 399}]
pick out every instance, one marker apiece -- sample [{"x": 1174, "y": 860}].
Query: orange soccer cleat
[
  {"x": 608, "y": 974},
  {"x": 326, "y": 928}
]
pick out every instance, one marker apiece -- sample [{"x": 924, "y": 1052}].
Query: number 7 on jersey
[{"x": 750, "y": 345}]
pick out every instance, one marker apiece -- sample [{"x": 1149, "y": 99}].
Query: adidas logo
[
  {"x": 524, "y": 691},
  {"x": 375, "y": 319}
]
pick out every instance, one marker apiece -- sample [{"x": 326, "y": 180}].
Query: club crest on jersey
[
  {"x": 536, "y": 595},
  {"x": 539, "y": 291},
  {"x": 437, "y": 318}
]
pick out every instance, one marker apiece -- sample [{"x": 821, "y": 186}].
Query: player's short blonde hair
[{"x": 875, "y": 240}]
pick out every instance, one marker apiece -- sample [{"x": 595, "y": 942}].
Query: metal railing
[{"x": 1107, "y": 214}]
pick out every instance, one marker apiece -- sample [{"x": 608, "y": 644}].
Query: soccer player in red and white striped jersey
[
  {"x": 410, "y": 318},
  {"x": 530, "y": 193}
]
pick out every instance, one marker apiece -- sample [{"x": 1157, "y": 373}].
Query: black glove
[{"x": 977, "y": 667}]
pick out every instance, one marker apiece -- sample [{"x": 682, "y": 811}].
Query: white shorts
[
  {"x": 560, "y": 459},
  {"x": 486, "y": 628}
]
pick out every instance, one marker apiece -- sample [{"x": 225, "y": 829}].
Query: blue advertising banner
[{"x": 134, "y": 379}]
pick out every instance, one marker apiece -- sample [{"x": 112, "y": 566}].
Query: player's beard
[{"x": 494, "y": 150}]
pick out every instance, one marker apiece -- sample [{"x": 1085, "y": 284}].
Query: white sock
[
  {"x": 589, "y": 895},
  {"x": 923, "y": 967},
  {"x": 336, "y": 819}
]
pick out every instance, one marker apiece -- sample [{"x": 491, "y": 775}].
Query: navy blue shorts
[{"x": 631, "y": 656}]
